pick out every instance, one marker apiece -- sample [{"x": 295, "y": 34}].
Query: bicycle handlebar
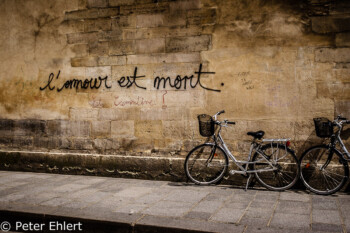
[
  {"x": 220, "y": 112},
  {"x": 225, "y": 121}
]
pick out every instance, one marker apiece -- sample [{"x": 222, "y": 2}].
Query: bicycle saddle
[{"x": 258, "y": 134}]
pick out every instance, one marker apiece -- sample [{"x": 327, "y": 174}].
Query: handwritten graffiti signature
[{"x": 139, "y": 101}]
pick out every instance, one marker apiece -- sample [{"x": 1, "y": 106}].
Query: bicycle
[
  {"x": 324, "y": 168},
  {"x": 271, "y": 161}
]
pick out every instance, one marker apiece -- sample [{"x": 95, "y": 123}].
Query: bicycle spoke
[
  {"x": 284, "y": 165},
  {"x": 319, "y": 178},
  {"x": 205, "y": 166},
  {"x": 326, "y": 182},
  {"x": 333, "y": 179},
  {"x": 334, "y": 173}
]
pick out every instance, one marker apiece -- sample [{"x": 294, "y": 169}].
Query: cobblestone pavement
[{"x": 167, "y": 205}]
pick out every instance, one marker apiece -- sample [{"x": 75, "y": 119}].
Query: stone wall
[{"x": 114, "y": 87}]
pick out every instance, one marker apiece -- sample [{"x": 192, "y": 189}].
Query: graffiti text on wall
[{"x": 179, "y": 82}]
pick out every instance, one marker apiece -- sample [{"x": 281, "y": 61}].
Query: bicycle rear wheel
[
  {"x": 323, "y": 171},
  {"x": 206, "y": 164},
  {"x": 279, "y": 167}
]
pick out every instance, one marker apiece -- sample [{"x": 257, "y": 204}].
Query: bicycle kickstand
[{"x": 248, "y": 182}]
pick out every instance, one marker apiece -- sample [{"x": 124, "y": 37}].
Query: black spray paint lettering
[
  {"x": 49, "y": 82},
  {"x": 181, "y": 82},
  {"x": 130, "y": 80},
  {"x": 93, "y": 83}
]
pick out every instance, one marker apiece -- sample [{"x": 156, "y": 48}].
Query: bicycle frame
[
  {"x": 336, "y": 138},
  {"x": 254, "y": 147}
]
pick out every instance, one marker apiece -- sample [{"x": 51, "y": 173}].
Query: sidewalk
[{"x": 128, "y": 205}]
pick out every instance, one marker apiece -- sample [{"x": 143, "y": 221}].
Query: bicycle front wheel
[
  {"x": 206, "y": 164},
  {"x": 323, "y": 170},
  {"x": 276, "y": 166}
]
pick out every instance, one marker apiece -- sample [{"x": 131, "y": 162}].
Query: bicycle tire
[
  {"x": 287, "y": 172},
  {"x": 201, "y": 173},
  {"x": 324, "y": 181}
]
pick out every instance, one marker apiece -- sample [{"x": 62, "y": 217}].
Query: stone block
[
  {"x": 22, "y": 142},
  {"x": 82, "y": 38},
  {"x": 119, "y": 114},
  {"x": 140, "y": 33},
  {"x": 163, "y": 58},
  {"x": 6, "y": 127},
  {"x": 150, "y": 21},
  {"x": 29, "y": 127},
  {"x": 82, "y": 4},
  {"x": 292, "y": 220},
  {"x": 342, "y": 107},
  {"x": 79, "y": 128},
  {"x": 71, "y": 26},
  {"x": 179, "y": 129},
  {"x": 99, "y": 49},
  {"x": 85, "y": 61},
  {"x": 83, "y": 113},
  {"x": 336, "y": 90},
  {"x": 121, "y": 2},
  {"x": 120, "y": 47},
  {"x": 41, "y": 142},
  {"x": 185, "y": 5},
  {"x": 175, "y": 19},
  {"x": 326, "y": 227},
  {"x": 97, "y": 3},
  {"x": 104, "y": 144},
  {"x": 65, "y": 143},
  {"x": 57, "y": 128},
  {"x": 332, "y": 55},
  {"x": 81, "y": 144},
  {"x": 168, "y": 114},
  {"x": 108, "y": 12},
  {"x": 136, "y": 145},
  {"x": 139, "y": 9},
  {"x": 93, "y": 25},
  {"x": 122, "y": 129},
  {"x": 80, "y": 50},
  {"x": 148, "y": 129},
  {"x": 82, "y": 14},
  {"x": 110, "y": 35},
  {"x": 6, "y": 141},
  {"x": 100, "y": 129},
  {"x": 342, "y": 39},
  {"x": 188, "y": 44},
  {"x": 128, "y": 21},
  {"x": 341, "y": 72},
  {"x": 156, "y": 45},
  {"x": 161, "y": 32},
  {"x": 201, "y": 17},
  {"x": 112, "y": 61},
  {"x": 93, "y": 13},
  {"x": 328, "y": 24}
]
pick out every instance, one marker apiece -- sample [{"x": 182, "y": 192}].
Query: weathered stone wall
[{"x": 81, "y": 86}]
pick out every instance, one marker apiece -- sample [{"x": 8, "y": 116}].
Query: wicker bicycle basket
[
  {"x": 206, "y": 125},
  {"x": 324, "y": 127}
]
